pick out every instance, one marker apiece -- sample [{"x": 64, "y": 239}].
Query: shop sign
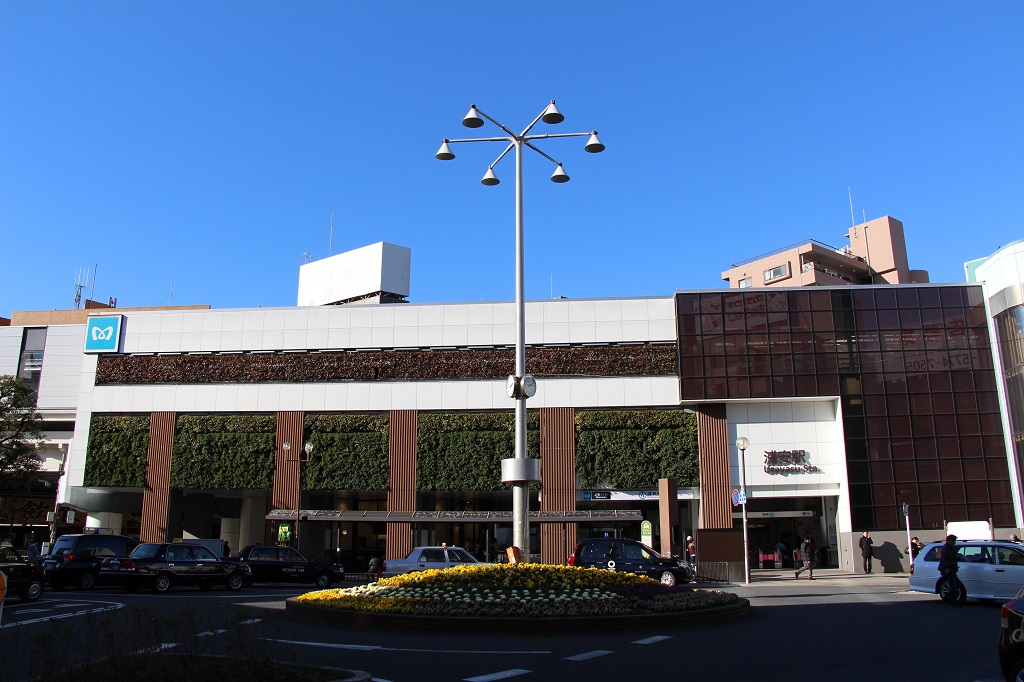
[
  {"x": 103, "y": 334},
  {"x": 787, "y": 462},
  {"x": 630, "y": 495}
]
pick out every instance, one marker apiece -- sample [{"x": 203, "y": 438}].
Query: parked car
[
  {"x": 163, "y": 565},
  {"x": 23, "y": 579},
  {"x": 621, "y": 554},
  {"x": 426, "y": 558},
  {"x": 75, "y": 559},
  {"x": 1011, "y": 640},
  {"x": 989, "y": 569},
  {"x": 287, "y": 565}
]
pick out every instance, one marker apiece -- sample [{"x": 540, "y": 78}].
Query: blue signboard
[{"x": 103, "y": 334}]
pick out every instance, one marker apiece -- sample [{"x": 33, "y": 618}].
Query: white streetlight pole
[
  {"x": 742, "y": 444},
  {"x": 308, "y": 450},
  {"x": 520, "y": 471}
]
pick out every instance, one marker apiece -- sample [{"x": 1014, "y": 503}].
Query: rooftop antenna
[
  {"x": 81, "y": 282},
  {"x": 853, "y": 221},
  {"x": 306, "y": 255},
  {"x": 92, "y": 292},
  {"x": 330, "y": 243},
  {"x": 170, "y": 299}
]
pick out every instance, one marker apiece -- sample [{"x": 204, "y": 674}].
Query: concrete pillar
[{"x": 252, "y": 524}]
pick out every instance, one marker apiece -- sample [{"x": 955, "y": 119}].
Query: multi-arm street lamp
[
  {"x": 308, "y": 451},
  {"x": 520, "y": 470}
]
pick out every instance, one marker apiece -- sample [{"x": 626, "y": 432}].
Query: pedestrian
[
  {"x": 33, "y": 552},
  {"x": 780, "y": 549},
  {"x": 915, "y": 547},
  {"x": 865, "y": 550},
  {"x": 1014, "y": 538},
  {"x": 807, "y": 558},
  {"x": 949, "y": 564},
  {"x": 691, "y": 550}
]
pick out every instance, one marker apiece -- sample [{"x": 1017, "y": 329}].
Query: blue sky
[{"x": 204, "y": 145}]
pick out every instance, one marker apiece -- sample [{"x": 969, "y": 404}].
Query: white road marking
[
  {"x": 503, "y": 675},
  {"x": 62, "y": 615},
  {"x": 210, "y": 633},
  {"x": 251, "y": 621},
  {"x": 652, "y": 640},
  {"x": 370, "y": 647},
  {"x": 154, "y": 649},
  {"x": 589, "y": 654}
]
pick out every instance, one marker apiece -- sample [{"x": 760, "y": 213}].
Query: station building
[{"x": 859, "y": 403}]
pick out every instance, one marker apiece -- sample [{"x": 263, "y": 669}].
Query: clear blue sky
[{"x": 207, "y": 143}]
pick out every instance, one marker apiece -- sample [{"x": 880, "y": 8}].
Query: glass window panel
[
  {"x": 902, "y": 449},
  {"x": 971, "y": 447},
  {"x": 940, "y": 382},
  {"x": 691, "y": 367},
  {"x": 711, "y": 303},
  {"x": 908, "y": 494},
  {"x": 968, "y": 424},
  {"x": 963, "y": 382},
  {"x": 687, "y": 324},
  {"x": 973, "y": 296},
  {"x": 715, "y": 387},
  {"x": 799, "y": 300},
  {"x": 993, "y": 446},
  {"x": 873, "y": 383},
  {"x": 732, "y": 302},
  {"x": 985, "y": 381},
  {"x": 887, "y": 518},
  {"x": 892, "y": 340},
  {"x": 778, "y": 322},
  {"x": 687, "y": 303},
  {"x": 776, "y": 301},
  {"x": 885, "y": 495},
  {"x": 947, "y": 447},
  {"x": 714, "y": 366},
  {"x": 693, "y": 389},
  {"x": 854, "y": 428},
  {"x": 954, "y": 318},
  {"x": 907, "y": 297},
  {"x": 897, "y": 404},
  {"x": 888, "y": 319},
  {"x": 711, "y": 324},
  {"x": 878, "y": 444},
  {"x": 735, "y": 344},
  {"x": 974, "y": 470},
  {"x": 988, "y": 401},
  {"x": 922, "y": 425},
  {"x": 734, "y": 322},
  {"x": 945, "y": 426},
  {"x": 899, "y": 427},
  {"x": 863, "y": 517},
  {"x": 756, "y": 322},
  {"x": 932, "y": 319},
  {"x": 782, "y": 364},
  {"x": 951, "y": 296},
  {"x": 828, "y": 384},
  {"x": 760, "y": 365},
  {"x": 895, "y": 383},
  {"x": 800, "y": 320},
  {"x": 825, "y": 342},
  {"x": 957, "y": 339},
  {"x": 754, "y": 302},
  {"x": 690, "y": 345},
  {"x": 932, "y": 516},
  {"x": 803, "y": 363},
  {"x": 991, "y": 424},
  {"x": 1002, "y": 515},
  {"x": 783, "y": 386},
  {"x": 996, "y": 467},
  {"x": 874, "y": 405},
  {"x": 893, "y": 362},
  {"x": 803, "y": 343},
  {"x": 868, "y": 341},
  {"x": 758, "y": 343},
  {"x": 935, "y": 339},
  {"x": 864, "y": 299},
  {"x": 780, "y": 343},
  {"x": 827, "y": 363},
  {"x": 821, "y": 300},
  {"x": 977, "y": 319},
  {"x": 881, "y": 472},
  {"x": 739, "y": 388},
  {"x": 951, "y": 470},
  {"x": 929, "y": 297},
  {"x": 918, "y": 383},
  {"x": 823, "y": 321},
  {"x": 925, "y": 448},
  {"x": 885, "y": 298},
  {"x": 977, "y": 492},
  {"x": 807, "y": 386},
  {"x": 738, "y": 366},
  {"x": 761, "y": 387},
  {"x": 953, "y": 493},
  {"x": 904, "y": 471},
  {"x": 866, "y": 320},
  {"x": 714, "y": 345}
]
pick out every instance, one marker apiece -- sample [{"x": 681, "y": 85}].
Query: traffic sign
[{"x": 742, "y": 498}]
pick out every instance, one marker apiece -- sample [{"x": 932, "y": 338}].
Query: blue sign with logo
[{"x": 103, "y": 334}]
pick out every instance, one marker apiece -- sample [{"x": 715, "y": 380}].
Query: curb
[{"x": 388, "y": 621}]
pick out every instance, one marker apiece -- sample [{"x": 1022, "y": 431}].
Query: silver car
[
  {"x": 426, "y": 558},
  {"x": 989, "y": 569}
]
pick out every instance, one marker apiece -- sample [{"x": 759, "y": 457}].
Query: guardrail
[{"x": 712, "y": 572}]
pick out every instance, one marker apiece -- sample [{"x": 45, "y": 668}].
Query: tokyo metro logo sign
[{"x": 103, "y": 334}]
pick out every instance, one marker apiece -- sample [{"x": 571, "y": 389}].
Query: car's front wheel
[
  {"x": 86, "y": 581},
  {"x": 668, "y": 579},
  {"x": 33, "y": 591},
  {"x": 324, "y": 580},
  {"x": 1017, "y": 671},
  {"x": 235, "y": 582},
  {"x": 161, "y": 583}
]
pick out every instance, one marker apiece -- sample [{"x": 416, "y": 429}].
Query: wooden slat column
[
  {"x": 285, "y": 494},
  {"x": 558, "y": 481},
  {"x": 713, "y": 443},
  {"x": 403, "y": 429},
  {"x": 157, "y": 495}
]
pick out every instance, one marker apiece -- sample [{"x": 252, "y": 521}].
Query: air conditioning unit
[
  {"x": 70, "y": 518},
  {"x": 51, "y": 517}
]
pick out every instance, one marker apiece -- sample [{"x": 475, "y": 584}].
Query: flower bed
[{"x": 518, "y": 591}]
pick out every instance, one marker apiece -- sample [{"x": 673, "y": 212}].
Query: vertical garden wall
[
  {"x": 464, "y": 451},
  {"x": 350, "y": 452},
  {"x": 223, "y": 452},
  {"x": 631, "y": 449},
  {"x": 117, "y": 451}
]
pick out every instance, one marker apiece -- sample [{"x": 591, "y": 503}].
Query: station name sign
[{"x": 788, "y": 462}]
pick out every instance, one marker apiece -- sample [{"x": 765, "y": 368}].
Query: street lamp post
[
  {"x": 519, "y": 470},
  {"x": 307, "y": 450},
  {"x": 742, "y": 444}
]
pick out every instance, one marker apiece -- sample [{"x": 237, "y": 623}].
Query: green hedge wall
[
  {"x": 633, "y": 449},
  {"x": 117, "y": 452},
  {"x": 350, "y": 452},
  {"x": 224, "y": 452},
  {"x": 464, "y": 451}
]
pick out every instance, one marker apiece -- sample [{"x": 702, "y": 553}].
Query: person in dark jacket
[
  {"x": 949, "y": 564},
  {"x": 915, "y": 547},
  {"x": 865, "y": 550},
  {"x": 806, "y": 557}
]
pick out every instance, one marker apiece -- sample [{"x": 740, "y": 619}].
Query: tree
[{"x": 20, "y": 428}]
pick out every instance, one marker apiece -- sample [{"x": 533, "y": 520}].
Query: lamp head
[
  {"x": 445, "y": 152},
  {"x": 552, "y": 114},
  {"x": 490, "y": 179},
  {"x": 559, "y": 175},
  {"x": 308, "y": 447},
  {"x": 594, "y": 145},
  {"x": 742, "y": 443},
  {"x": 472, "y": 119},
  {"x": 286, "y": 446}
]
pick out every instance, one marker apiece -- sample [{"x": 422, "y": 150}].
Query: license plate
[{"x": 49, "y": 564}]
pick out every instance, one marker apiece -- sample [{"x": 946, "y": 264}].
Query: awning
[{"x": 454, "y": 516}]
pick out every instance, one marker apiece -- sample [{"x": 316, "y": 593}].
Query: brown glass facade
[{"x": 911, "y": 365}]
